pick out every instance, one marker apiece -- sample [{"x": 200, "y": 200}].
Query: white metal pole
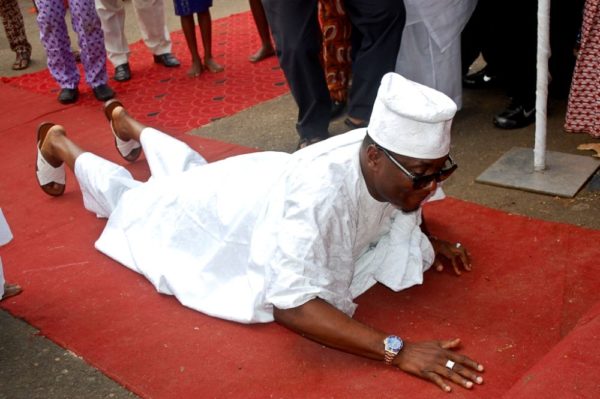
[{"x": 541, "y": 95}]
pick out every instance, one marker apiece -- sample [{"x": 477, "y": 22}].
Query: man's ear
[{"x": 373, "y": 157}]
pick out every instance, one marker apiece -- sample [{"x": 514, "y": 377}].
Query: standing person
[
  {"x": 150, "y": 16},
  {"x": 61, "y": 61},
  {"x": 583, "y": 112},
  {"x": 516, "y": 42},
  {"x": 266, "y": 49},
  {"x": 12, "y": 19},
  {"x": 257, "y": 238},
  {"x": 337, "y": 59},
  {"x": 6, "y": 289},
  {"x": 478, "y": 39},
  {"x": 376, "y": 33},
  {"x": 430, "y": 50},
  {"x": 186, "y": 9}
]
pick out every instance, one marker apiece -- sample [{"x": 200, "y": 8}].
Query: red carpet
[
  {"x": 528, "y": 311},
  {"x": 168, "y": 98}
]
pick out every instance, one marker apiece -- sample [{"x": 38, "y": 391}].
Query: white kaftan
[
  {"x": 430, "y": 49},
  {"x": 236, "y": 237}
]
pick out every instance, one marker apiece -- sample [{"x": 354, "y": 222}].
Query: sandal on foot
[
  {"x": 130, "y": 150},
  {"x": 22, "y": 61},
  {"x": 51, "y": 179},
  {"x": 355, "y": 125},
  {"x": 11, "y": 290}
]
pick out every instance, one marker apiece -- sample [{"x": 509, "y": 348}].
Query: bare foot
[
  {"x": 118, "y": 115},
  {"x": 213, "y": 66},
  {"x": 124, "y": 127},
  {"x": 262, "y": 53},
  {"x": 49, "y": 165},
  {"x": 196, "y": 69},
  {"x": 47, "y": 144},
  {"x": 11, "y": 290},
  {"x": 114, "y": 110}
]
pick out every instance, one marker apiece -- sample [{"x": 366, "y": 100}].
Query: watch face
[{"x": 393, "y": 343}]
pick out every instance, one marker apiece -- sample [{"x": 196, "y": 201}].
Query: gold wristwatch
[{"x": 392, "y": 345}]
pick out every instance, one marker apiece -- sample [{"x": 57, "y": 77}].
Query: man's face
[{"x": 389, "y": 183}]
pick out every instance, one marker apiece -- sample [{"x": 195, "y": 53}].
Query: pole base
[{"x": 564, "y": 175}]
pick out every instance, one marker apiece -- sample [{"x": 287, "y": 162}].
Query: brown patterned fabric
[
  {"x": 13, "y": 25},
  {"x": 583, "y": 110},
  {"x": 337, "y": 61}
]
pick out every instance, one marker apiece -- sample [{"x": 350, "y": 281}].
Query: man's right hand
[{"x": 429, "y": 360}]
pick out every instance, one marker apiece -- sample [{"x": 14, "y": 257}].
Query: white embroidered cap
[{"x": 411, "y": 119}]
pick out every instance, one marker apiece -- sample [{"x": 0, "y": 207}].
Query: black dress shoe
[
  {"x": 167, "y": 59},
  {"x": 122, "y": 73},
  {"x": 103, "y": 92},
  {"x": 480, "y": 80},
  {"x": 68, "y": 96},
  {"x": 517, "y": 115}
]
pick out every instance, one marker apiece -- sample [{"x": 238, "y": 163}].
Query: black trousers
[
  {"x": 376, "y": 34},
  {"x": 506, "y": 34}
]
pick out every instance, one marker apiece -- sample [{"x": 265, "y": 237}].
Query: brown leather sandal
[
  {"x": 11, "y": 290},
  {"x": 21, "y": 62}
]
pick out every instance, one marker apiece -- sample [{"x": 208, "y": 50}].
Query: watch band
[
  {"x": 389, "y": 357},
  {"x": 392, "y": 345}
]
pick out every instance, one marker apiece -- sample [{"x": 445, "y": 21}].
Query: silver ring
[
  {"x": 450, "y": 364},
  {"x": 458, "y": 245}
]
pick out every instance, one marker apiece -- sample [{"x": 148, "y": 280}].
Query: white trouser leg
[
  {"x": 102, "y": 183},
  {"x": 153, "y": 27},
  {"x": 112, "y": 17},
  {"x": 167, "y": 155}
]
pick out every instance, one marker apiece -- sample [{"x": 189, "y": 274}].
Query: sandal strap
[
  {"x": 47, "y": 173},
  {"x": 124, "y": 147}
]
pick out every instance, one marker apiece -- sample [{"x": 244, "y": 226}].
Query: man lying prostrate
[{"x": 292, "y": 238}]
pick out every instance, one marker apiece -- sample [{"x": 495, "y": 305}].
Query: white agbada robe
[
  {"x": 430, "y": 49},
  {"x": 236, "y": 237}
]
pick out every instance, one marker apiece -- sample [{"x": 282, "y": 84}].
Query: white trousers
[
  {"x": 151, "y": 22},
  {"x": 430, "y": 49},
  {"x": 103, "y": 182}
]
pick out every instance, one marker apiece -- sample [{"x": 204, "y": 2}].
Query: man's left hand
[{"x": 456, "y": 253}]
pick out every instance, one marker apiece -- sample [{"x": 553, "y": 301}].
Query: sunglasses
[{"x": 420, "y": 182}]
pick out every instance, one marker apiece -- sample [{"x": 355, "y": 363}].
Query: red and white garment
[{"x": 583, "y": 110}]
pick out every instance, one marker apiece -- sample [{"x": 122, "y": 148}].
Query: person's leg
[
  {"x": 151, "y": 21},
  {"x": 165, "y": 155},
  {"x": 205, "y": 23},
  {"x": 102, "y": 182},
  {"x": 112, "y": 18},
  {"x": 91, "y": 41},
  {"x": 336, "y": 29},
  {"x": 517, "y": 46},
  {"x": 262, "y": 26},
  {"x": 298, "y": 37},
  {"x": 6, "y": 289},
  {"x": 189, "y": 31},
  {"x": 55, "y": 39},
  {"x": 15, "y": 33},
  {"x": 379, "y": 25},
  {"x": 565, "y": 23}
]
